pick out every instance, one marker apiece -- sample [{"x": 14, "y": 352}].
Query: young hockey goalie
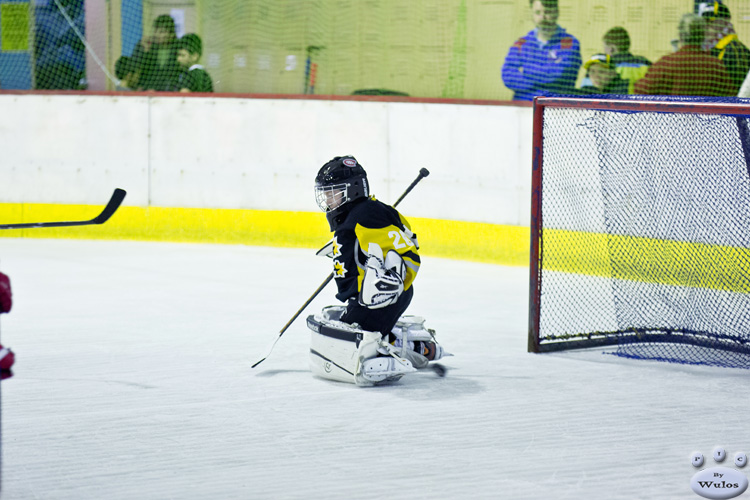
[{"x": 375, "y": 260}]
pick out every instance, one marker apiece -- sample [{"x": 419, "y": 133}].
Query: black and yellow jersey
[
  {"x": 735, "y": 56},
  {"x": 370, "y": 221}
]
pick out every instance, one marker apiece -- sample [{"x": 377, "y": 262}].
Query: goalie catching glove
[{"x": 383, "y": 282}]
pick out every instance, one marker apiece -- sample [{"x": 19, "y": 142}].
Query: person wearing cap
[
  {"x": 546, "y": 60},
  {"x": 722, "y": 41},
  {"x": 604, "y": 77},
  {"x": 689, "y": 71}
]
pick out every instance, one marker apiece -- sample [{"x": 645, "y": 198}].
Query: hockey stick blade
[
  {"x": 112, "y": 205},
  {"x": 269, "y": 353},
  {"x": 269, "y": 350},
  {"x": 439, "y": 370}
]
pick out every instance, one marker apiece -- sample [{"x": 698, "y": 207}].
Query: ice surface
[{"x": 133, "y": 380}]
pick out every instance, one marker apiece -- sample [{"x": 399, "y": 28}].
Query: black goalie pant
[{"x": 377, "y": 320}]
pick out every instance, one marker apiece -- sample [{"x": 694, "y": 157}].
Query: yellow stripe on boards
[
  {"x": 489, "y": 243},
  {"x": 649, "y": 260},
  {"x": 623, "y": 257},
  {"x": 251, "y": 227},
  {"x": 474, "y": 241}
]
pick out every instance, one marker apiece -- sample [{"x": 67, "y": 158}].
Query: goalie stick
[
  {"x": 423, "y": 172},
  {"x": 106, "y": 213}
]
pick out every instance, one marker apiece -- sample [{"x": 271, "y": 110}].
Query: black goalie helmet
[{"x": 340, "y": 181}]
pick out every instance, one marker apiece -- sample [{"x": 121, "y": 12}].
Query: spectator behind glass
[
  {"x": 59, "y": 53},
  {"x": 193, "y": 77},
  {"x": 630, "y": 68},
  {"x": 690, "y": 70},
  {"x": 126, "y": 70},
  {"x": 156, "y": 57},
  {"x": 722, "y": 41},
  {"x": 604, "y": 76},
  {"x": 546, "y": 60}
]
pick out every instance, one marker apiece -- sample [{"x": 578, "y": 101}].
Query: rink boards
[{"x": 240, "y": 170}]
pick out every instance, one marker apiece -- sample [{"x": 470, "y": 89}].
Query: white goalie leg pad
[
  {"x": 332, "y": 358},
  {"x": 383, "y": 282},
  {"x": 334, "y": 346},
  {"x": 342, "y": 352}
]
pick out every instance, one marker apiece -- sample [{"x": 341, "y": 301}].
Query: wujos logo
[{"x": 719, "y": 482}]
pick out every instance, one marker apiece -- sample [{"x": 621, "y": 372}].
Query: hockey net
[{"x": 641, "y": 228}]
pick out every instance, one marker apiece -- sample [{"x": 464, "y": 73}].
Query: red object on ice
[
  {"x": 6, "y": 297},
  {"x": 6, "y": 358}
]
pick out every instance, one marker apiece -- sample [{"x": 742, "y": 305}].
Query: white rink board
[
  {"x": 263, "y": 153},
  {"x": 73, "y": 149}
]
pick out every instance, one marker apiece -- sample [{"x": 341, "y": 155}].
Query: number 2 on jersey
[{"x": 397, "y": 237}]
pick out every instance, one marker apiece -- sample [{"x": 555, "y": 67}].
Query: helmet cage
[{"x": 332, "y": 197}]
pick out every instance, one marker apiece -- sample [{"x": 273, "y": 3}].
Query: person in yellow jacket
[
  {"x": 722, "y": 41},
  {"x": 630, "y": 67}
]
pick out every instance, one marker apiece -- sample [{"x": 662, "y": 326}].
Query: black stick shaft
[
  {"x": 307, "y": 303},
  {"x": 296, "y": 315},
  {"x": 423, "y": 172}
]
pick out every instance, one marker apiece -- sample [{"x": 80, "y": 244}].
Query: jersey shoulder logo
[
  {"x": 566, "y": 43},
  {"x": 335, "y": 248},
  {"x": 339, "y": 271}
]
